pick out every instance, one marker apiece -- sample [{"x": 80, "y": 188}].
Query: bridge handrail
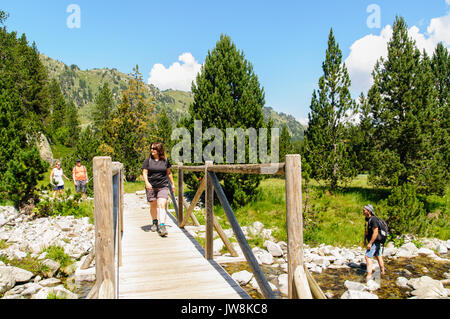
[{"x": 291, "y": 169}]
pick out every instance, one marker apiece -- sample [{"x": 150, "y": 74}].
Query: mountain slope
[{"x": 82, "y": 86}]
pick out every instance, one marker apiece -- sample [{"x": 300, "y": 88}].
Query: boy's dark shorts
[
  {"x": 155, "y": 193},
  {"x": 58, "y": 188}
]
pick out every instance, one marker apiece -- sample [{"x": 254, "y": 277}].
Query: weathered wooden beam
[
  {"x": 247, "y": 251},
  {"x": 103, "y": 214},
  {"x": 209, "y": 215},
  {"x": 294, "y": 219},
  {"x": 301, "y": 283},
  {"x": 315, "y": 288},
  {"x": 261, "y": 169}
]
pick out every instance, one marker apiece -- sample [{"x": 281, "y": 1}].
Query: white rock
[
  {"x": 353, "y": 285},
  {"x": 283, "y": 284},
  {"x": 426, "y": 287},
  {"x": 273, "y": 248},
  {"x": 425, "y": 252},
  {"x": 217, "y": 246},
  {"x": 263, "y": 256},
  {"x": 356, "y": 294},
  {"x": 85, "y": 274},
  {"x": 21, "y": 275},
  {"x": 372, "y": 285},
  {"x": 49, "y": 282},
  {"x": 402, "y": 282},
  {"x": 255, "y": 229},
  {"x": 242, "y": 277},
  {"x": 7, "y": 280},
  {"x": 408, "y": 250},
  {"x": 443, "y": 249}
]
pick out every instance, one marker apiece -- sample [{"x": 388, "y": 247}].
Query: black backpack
[{"x": 383, "y": 231}]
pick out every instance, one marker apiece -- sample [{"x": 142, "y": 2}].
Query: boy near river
[{"x": 374, "y": 245}]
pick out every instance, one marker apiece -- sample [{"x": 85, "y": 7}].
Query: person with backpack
[
  {"x": 157, "y": 174},
  {"x": 374, "y": 240},
  {"x": 80, "y": 178}
]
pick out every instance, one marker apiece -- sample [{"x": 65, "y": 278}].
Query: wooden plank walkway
[{"x": 173, "y": 267}]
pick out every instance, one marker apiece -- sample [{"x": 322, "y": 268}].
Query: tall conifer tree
[
  {"x": 227, "y": 94},
  {"x": 326, "y": 149},
  {"x": 404, "y": 105}
]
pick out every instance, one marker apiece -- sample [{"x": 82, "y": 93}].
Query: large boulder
[{"x": 45, "y": 150}]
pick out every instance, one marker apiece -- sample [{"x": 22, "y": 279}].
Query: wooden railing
[
  {"x": 299, "y": 279},
  {"x": 108, "y": 214}
]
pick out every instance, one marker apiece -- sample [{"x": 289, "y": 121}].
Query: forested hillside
[{"x": 82, "y": 86}]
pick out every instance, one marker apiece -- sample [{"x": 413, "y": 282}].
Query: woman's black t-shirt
[{"x": 157, "y": 172}]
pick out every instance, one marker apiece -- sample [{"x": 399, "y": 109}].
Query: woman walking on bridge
[{"x": 157, "y": 173}]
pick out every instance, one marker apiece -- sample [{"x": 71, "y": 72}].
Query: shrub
[{"x": 404, "y": 212}]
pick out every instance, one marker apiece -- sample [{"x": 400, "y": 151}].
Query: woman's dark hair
[{"x": 160, "y": 148}]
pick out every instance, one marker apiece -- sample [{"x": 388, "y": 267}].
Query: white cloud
[
  {"x": 365, "y": 52},
  {"x": 178, "y": 76}
]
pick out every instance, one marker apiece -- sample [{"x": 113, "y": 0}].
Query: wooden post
[
  {"x": 209, "y": 214},
  {"x": 103, "y": 214},
  {"x": 180, "y": 194},
  {"x": 294, "y": 219}
]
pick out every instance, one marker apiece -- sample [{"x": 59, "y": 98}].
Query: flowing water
[{"x": 332, "y": 280}]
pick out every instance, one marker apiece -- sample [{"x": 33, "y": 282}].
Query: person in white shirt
[{"x": 56, "y": 179}]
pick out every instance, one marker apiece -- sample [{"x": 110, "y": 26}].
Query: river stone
[
  {"x": 49, "y": 282},
  {"x": 443, "y": 249},
  {"x": 408, "y": 250},
  {"x": 21, "y": 275},
  {"x": 255, "y": 229},
  {"x": 425, "y": 252},
  {"x": 425, "y": 286},
  {"x": 7, "y": 280},
  {"x": 353, "y": 285},
  {"x": 217, "y": 245},
  {"x": 402, "y": 282},
  {"x": 31, "y": 289},
  {"x": 273, "y": 248},
  {"x": 372, "y": 285},
  {"x": 53, "y": 267},
  {"x": 356, "y": 294},
  {"x": 283, "y": 284},
  {"x": 85, "y": 274},
  {"x": 242, "y": 277},
  {"x": 263, "y": 256}
]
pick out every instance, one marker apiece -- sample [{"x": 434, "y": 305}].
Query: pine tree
[
  {"x": 285, "y": 143},
  {"x": 72, "y": 123},
  {"x": 164, "y": 131},
  {"x": 403, "y": 102},
  {"x": 227, "y": 94},
  {"x": 440, "y": 64},
  {"x": 128, "y": 134},
  {"x": 326, "y": 148},
  {"x": 104, "y": 106}
]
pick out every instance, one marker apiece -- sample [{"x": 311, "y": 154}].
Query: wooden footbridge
[{"x": 134, "y": 263}]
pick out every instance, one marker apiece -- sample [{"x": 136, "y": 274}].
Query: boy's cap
[{"x": 369, "y": 208}]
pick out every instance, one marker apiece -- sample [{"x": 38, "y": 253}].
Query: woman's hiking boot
[{"x": 162, "y": 231}]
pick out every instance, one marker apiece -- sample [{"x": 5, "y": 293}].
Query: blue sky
[{"x": 284, "y": 40}]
